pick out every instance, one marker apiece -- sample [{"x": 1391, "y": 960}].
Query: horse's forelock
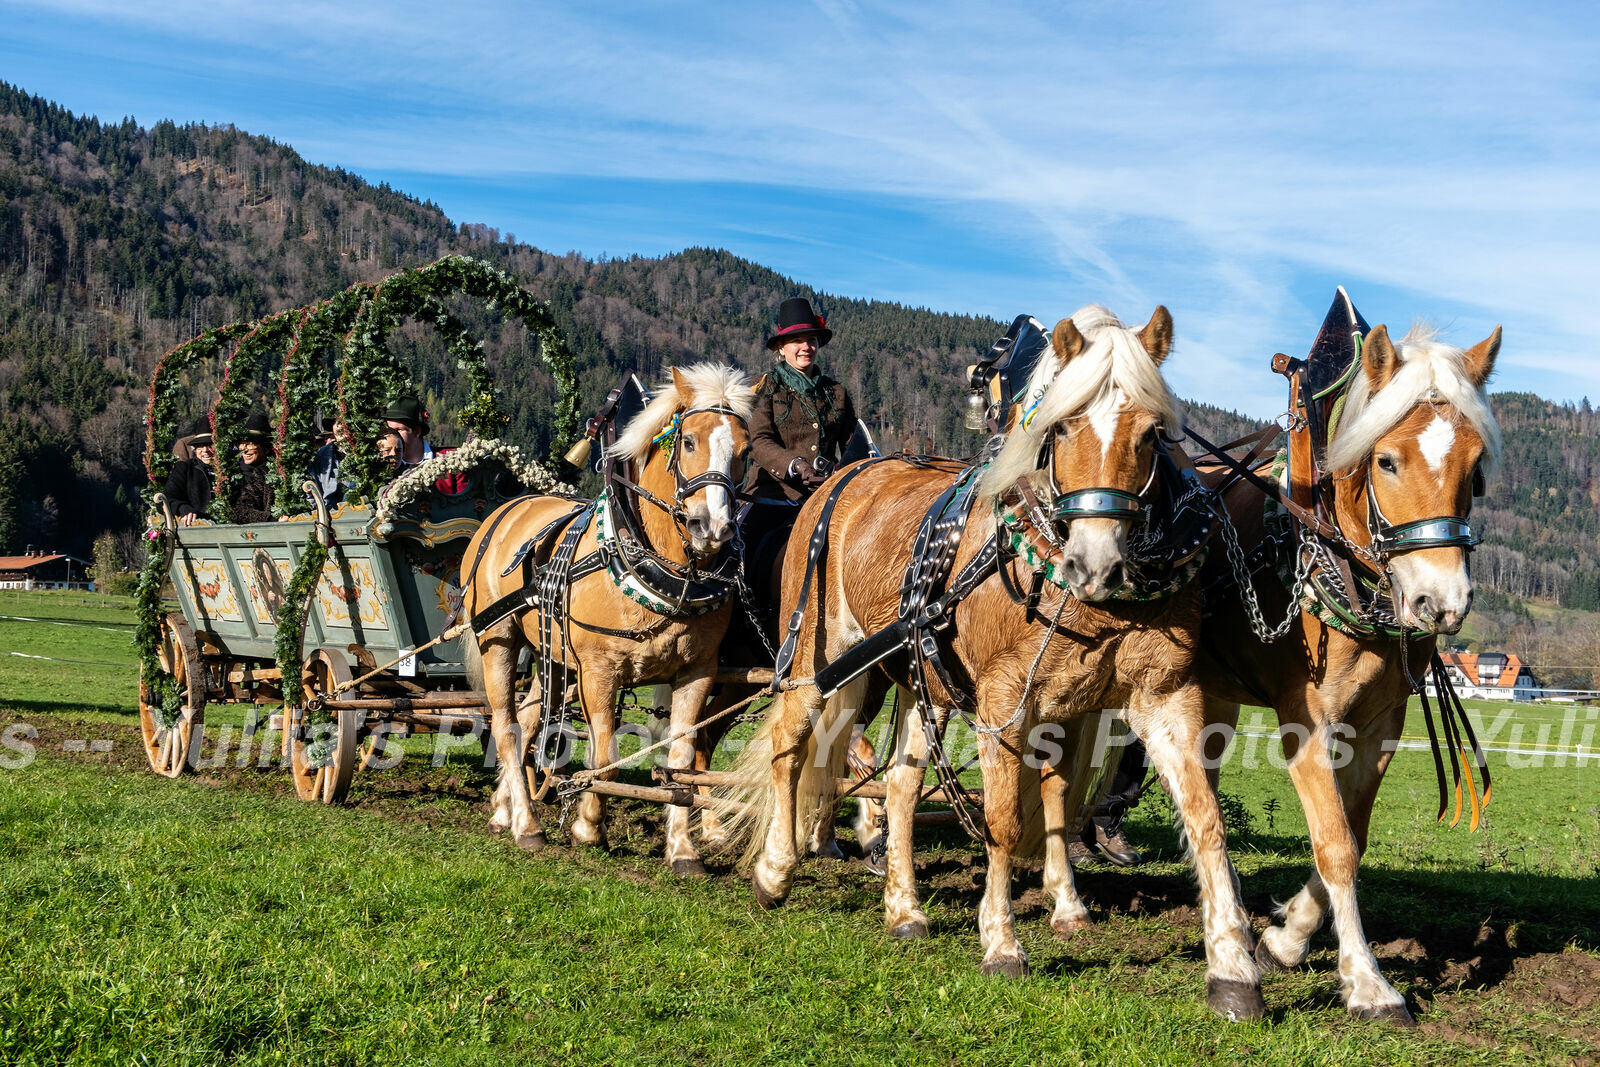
[
  {"x": 1114, "y": 369},
  {"x": 1427, "y": 366},
  {"x": 707, "y": 384}
]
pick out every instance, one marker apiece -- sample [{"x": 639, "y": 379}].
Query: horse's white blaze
[
  {"x": 1103, "y": 419},
  {"x": 1436, "y": 442},
  {"x": 717, "y": 502}
]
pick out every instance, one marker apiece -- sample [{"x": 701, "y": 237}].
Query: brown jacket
[{"x": 788, "y": 432}]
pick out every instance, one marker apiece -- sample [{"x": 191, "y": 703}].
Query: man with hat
[
  {"x": 408, "y": 418},
  {"x": 803, "y": 418},
  {"x": 192, "y": 481}
]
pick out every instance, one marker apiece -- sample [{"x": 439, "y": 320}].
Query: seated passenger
[
  {"x": 390, "y": 449},
  {"x": 409, "y": 419},
  {"x": 192, "y": 483},
  {"x": 325, "y": 466},
  {"x": 252, "y": 499}
]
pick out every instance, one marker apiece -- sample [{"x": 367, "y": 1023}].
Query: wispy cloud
[{"x": 1231, "y": 160}]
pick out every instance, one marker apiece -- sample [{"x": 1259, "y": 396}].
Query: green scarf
[{"x": 807, "y": 385}]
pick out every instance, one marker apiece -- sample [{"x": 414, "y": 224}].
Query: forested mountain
[{"x": 118, "y": 242}]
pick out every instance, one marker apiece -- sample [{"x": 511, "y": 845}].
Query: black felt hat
[
  {"x": 409, "y": 410},
  {"x": 796, "y": 319},
  {"x": 200, "y": 433},
  {"x": 257, "y": 428}
]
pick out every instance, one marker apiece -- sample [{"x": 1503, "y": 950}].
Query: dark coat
[
  {"x": 189, "y": 488},
  {"x": 788, "y": 432},
  {"x": 252, "y": 501}
]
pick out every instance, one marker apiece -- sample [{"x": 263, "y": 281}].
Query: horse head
[
  {"x": 689, "y": 446},
  {"x": 1412, "y": 447},
  {"x": 1087, "y": 435}
]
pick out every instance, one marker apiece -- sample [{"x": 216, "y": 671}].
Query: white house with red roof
[
  {"x": 43, "y": 570},
  {"x": 1489, "y": 676}
]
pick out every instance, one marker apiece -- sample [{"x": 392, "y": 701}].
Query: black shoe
[
  {"x": 1114, "y": 846},
  {"x": 1079, "y": 853}
]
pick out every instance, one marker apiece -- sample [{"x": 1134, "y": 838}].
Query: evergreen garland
[
  {"x": 234, "y": 401},
  {"x": 161, "y": 690},
  {"x": 372, "y": 378},
  {"x": 286, "y": 642},
  {"x": 167, "y": 399},
  {"x": 306, "y": 387}
]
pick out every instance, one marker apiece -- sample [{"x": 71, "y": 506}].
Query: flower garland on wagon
[{"x": 478, "y": 450}]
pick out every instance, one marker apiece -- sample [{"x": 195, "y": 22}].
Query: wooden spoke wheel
[
  {"x": 322, "y": 744},
  {"x": 169, "y": 748}
]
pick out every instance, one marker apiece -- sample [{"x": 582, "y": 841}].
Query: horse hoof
[
  {"x": 910, "y": 930},
  {"x": 534, "y": 842},
  {"x": 1394, "y": 1014},
  {"x": 1266, "y": 960},
  {"x": 1065, "y": 928},
  {"x": 1006, "y": 967},
  {"x": 1237, "y": 1002},
  {"x": 765, "y": 899},
  {"x": 689, "y": 869},
  {"x": 830, "y": 851}
]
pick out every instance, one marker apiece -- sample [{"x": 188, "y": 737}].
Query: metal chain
[{"x": 1241, "y": 572}]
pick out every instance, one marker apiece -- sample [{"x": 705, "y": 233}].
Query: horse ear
[
  {"x": 1378, "y": 358},
  {"x": 1480, "y": 358},
  {"x": 1157, "y": 334},
  {"x": 680, "y": 386},
  {"x": 1066, "y": 340}
]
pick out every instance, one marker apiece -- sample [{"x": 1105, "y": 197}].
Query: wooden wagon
[{"x": 371, "y": 664}]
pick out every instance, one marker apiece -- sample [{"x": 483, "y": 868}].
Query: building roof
[
  {"x": 23, "y": 563},
  {"x": 1501, "y": 669}
]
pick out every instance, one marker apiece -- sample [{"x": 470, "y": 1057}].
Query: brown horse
[
  {"x": 1087, "y": 446},
  {"x": 1415, "y": 434},
  {"x": 644, "y": 610}
]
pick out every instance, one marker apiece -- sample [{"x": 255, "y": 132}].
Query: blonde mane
[
  {"x": 1113, "y": 371},
  {"x": 710, "y": 385},
  {"x": 1428, "y": 369}
]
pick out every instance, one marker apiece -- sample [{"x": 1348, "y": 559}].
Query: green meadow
[{"x": 217, "y": 919}]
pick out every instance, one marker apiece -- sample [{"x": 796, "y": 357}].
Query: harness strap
[{"x": 815, "y": 551}]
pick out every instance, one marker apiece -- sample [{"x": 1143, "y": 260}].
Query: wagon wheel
[
  {"x": 168, "y": 748},
  {"x": 327, "y": 778}
]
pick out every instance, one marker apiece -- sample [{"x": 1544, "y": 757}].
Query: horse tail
[
  {"x": 750, "y": 795},
  {"x": 753, "y": 796}
]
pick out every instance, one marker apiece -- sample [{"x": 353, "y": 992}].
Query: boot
[{"x": 1112, "y": 843}]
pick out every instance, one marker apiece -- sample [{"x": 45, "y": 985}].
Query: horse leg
[
  {"x": 902, "y": 909},
  {"x": 848, "y": 702},
  {"x": 1005, "y": 798},
  {"x": 1170, "y": 726},
  {"x": 1335, "y": 805},
  {"x": 597, "y": 692},
  {"x": 1069, "y": 915},
  {"x": 792, "y": 723},
  {"x": 513, "y": 804},
  {"x": 863, "y": 761},
  {"x": 1222, "y": 722},
  {"x": 689, "y": 692},
  {"x": 713, "y": 831}
]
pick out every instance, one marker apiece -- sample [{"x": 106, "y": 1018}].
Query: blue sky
[{"x": 1234, "y": 161}]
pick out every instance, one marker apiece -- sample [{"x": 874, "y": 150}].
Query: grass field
[{"x": 217, "y": 919}]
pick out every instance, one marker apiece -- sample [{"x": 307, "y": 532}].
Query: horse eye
[
  {"x": 688, "y": 443},
  {"x": 1386, "y": 464}
]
